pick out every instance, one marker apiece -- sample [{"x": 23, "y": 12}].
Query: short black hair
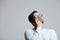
[
  {"x": 32, "y": 19},
  {"x": 31, "y": 16}
]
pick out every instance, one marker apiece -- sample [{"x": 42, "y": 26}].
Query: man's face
[{"x": 38, "y": 17}]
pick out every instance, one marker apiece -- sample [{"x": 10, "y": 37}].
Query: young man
[{"x": 39, "y": 32}]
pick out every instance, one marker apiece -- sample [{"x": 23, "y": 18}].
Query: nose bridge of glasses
[{"x": 40, "y": 15}]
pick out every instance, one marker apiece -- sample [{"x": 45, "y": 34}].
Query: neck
[{"x": 39, "y": 26}]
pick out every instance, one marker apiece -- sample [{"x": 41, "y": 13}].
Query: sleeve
[
  {"x": 33, "y": 36},
  {"x": 53, "y": 35}
]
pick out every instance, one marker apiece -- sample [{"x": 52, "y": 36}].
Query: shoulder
[
  {"x": 52, "y": 31},
  {"x": 28, "y": 31}
]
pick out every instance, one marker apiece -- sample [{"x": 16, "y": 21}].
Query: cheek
[{"x": 40, "y": 19}]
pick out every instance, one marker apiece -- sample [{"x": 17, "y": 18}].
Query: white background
[{"x": 14, "y": 17}]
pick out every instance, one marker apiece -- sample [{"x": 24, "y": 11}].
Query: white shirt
[{"x": 40, "y": 34}]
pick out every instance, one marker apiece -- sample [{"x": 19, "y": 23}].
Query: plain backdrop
[{"x": 14, "y": 17}]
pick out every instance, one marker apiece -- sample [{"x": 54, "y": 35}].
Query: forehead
[{"x": 35, "y": 14}]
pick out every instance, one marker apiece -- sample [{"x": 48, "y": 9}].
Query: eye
[{"x": 40, "y": 15}]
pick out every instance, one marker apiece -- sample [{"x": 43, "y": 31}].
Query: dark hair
[{"x": 32, "y": 19}]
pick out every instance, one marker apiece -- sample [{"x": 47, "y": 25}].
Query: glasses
[{"x": 38, "y": 16}]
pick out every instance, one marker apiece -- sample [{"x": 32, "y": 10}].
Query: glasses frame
[{"x": 40, "y": 15}]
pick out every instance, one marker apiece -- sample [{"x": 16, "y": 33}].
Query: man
[{"x": 39, "y": 32}]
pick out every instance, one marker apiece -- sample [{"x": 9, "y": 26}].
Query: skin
[{"x": 38, "y": 20}]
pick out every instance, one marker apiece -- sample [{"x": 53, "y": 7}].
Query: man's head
[{"x": 33, "y": 17}]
